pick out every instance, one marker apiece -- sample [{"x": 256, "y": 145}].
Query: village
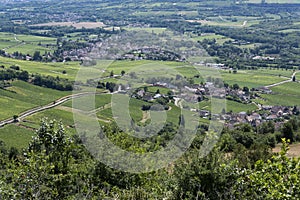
[{"x": 195, "y": 93}]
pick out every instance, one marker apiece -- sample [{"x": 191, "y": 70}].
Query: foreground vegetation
[{"x": 57, "y": 165}]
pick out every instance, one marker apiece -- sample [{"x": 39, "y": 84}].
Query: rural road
[
  {"x": 51, "y": 105},
  {"x": 282, "y": 82}
]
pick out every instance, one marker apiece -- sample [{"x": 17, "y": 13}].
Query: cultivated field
[
  {"x": 23, "y": 96},
  {"x": 25, "y": 44},
  {"x": 77, "y": 25}
]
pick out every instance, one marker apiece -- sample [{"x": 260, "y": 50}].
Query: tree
[
  {"x": 54, "y": 166},
  {"x": 276, "y": 178},
  {"x": 15, "y": 117},
  {"x": 37, "y": 56},
  {"x": 24, "y": 76},
  {"x": 235, "y": 86},
  {"x": 246, "y": 89},
  {"x": 287, "y": 131}
]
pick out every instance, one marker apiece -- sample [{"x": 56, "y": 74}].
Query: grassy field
[
  {"x": 286, "y": 94},
  {"x": 26, "y": 44},
  {"x": 51, "y": 69},
  {"x": 22, "y": 96},
  {"x": 58, "y": 114},
  {"x": 16, "y": 136},
  {"x": 100, "y": 101},
  {"x": 233, "y": 106},
  {"x": 254, "y": 78}
]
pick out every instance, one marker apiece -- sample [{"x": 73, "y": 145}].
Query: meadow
[
  {"x": 16, "y": 136},
  {"x": 25, "y": 44},
  {"x": 51, "y": 69},
  {"x": 254, "y": 78},
  {"x": 22, "y": 96},
  {"x": 230, "y": 106},
  {"x": 286, "y": 94}
]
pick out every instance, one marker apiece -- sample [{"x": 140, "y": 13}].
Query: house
[
  {"x": 156, "y": 96},
  {"x": 204, "y": 113},
  {"x": 254, "y": 117},
  {"x": 271, "y": 117}
]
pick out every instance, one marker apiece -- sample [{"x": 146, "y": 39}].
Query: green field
[
  {"x": 25, "y": 44},
  {"x": 233, "y": 106},
  {"x": 16, "y": 136},
  {"x": 100, "y": 101},
  {"x": 58, "y": 114},
  {"x": 254, "y": 78},
  {"x": 51, "y": 69},
  {"x": 22, "y": 96},
  {"x": 286, "y": 94}
]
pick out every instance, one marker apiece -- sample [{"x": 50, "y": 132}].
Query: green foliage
[
  {"x": 277, "y": 178},
  {"x": 53, "y": 166}
]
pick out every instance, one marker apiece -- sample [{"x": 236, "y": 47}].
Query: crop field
[
  {"x": 289, "y": 30},
  {"x": 77, "y": 25},
  {"x": 26, "y": 44},
  {"x": 52, "y": 69},
  {"x": 192, "y": 13},
  {"x": 18, "y": 98},
  {"x": 251, "y": 78},
  {"x": 22, "y": 96},
  {"x": 294, "y": 150}
]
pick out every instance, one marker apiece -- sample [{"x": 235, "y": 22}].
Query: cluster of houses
[
  {"x": 150, "y": 53},
  {"x": 196, "y": 93},
  {"x": 265, "y": 113}
]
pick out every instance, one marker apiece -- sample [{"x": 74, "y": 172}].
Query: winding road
[{"x": 48, "y": 106}]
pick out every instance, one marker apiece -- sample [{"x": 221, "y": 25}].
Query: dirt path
[
  {"x": 178, "y": 102},
  {"x": 16, "y": 38},
  {"x": 32, "y": 111},
  {"x": 146, "y": 116},
  {"x": 244, "y": 23}
]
